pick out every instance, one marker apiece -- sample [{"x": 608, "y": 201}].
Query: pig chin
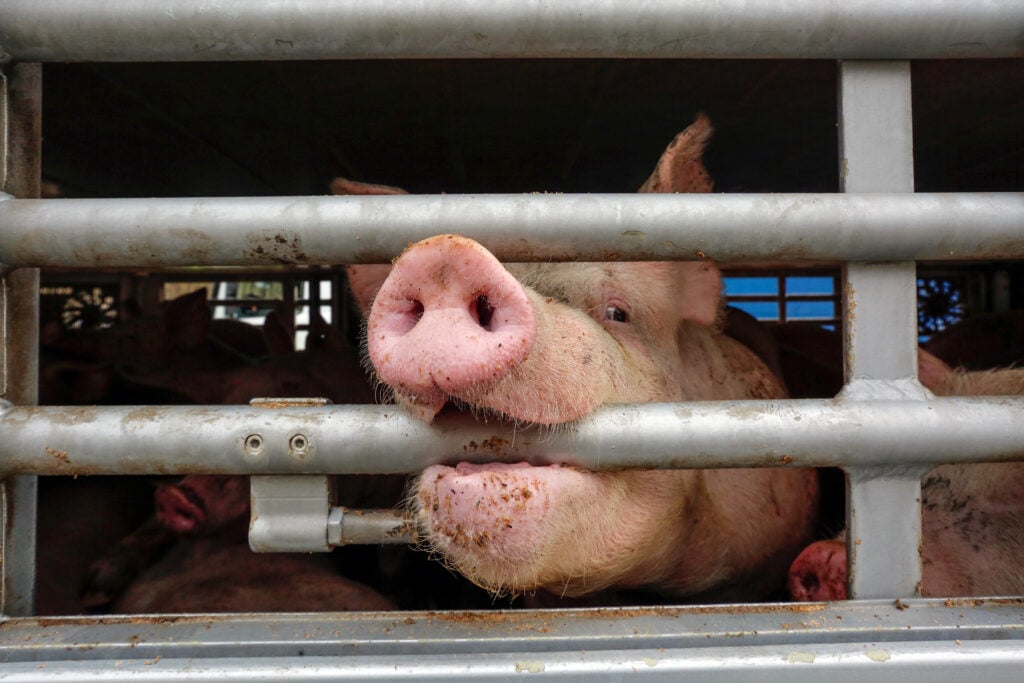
[{"x": 497, "y": 524}]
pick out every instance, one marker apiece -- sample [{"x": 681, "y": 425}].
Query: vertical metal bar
[
  {"x": 880, "y": 322},
  {"x": 19, "y": 334}
]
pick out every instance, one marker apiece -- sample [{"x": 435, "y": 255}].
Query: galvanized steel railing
[
  {"x": 880, "y": 233},
  {"x": 326, "y": 230},
  {"x": 204, "y": 30}
]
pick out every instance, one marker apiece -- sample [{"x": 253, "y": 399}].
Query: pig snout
[
  {"x": 449, "y": 321},
  {"x": 819, "y": 572}
]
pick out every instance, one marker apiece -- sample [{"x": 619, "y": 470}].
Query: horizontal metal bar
[
  {"x": 996, "y": 661},
  {"x": 205, "y": 30},
  {"x": 375, "y": 527},
  {"x": 383, "y": 439},
  {"x": 911, "y": 640},
  {"x": 596, "y": 227}
]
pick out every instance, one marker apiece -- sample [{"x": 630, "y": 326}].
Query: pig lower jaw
[{"x": 503, "y": 525}]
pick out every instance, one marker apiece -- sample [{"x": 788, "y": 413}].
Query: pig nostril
[{"x": 484, "y": 311}]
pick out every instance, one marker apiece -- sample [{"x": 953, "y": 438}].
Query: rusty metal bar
[
  {"x": 257, "y": 231},
  {"x": 384, "y": 439},
  {"x": 20, "y": 146},
  {"x": 205, "y": 30}
]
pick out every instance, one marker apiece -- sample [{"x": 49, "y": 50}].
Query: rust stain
[
  {"x": 59, "y": 456},
  {"x": 278, "y": 403},
  {"x": 984, "y": 602},
  {"x": 279, "y": 247}
]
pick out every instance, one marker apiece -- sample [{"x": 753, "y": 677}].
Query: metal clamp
[
  {"x": 289, "y": 513},
  {"x": 292, "y": 513}
]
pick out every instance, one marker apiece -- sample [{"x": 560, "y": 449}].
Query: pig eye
[{"x": 615, "y": 314}]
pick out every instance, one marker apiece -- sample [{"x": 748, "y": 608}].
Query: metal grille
[{"x": 879, "y": 228}]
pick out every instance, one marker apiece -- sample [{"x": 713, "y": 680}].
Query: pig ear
[
  {"x": 187, "y": 319},
  {"x": 323, "y": 335},
  {"x": 278, "y": 333},
  {"x": 933, "y": 372},
  {"x": 364, "y": 281},
  {"x": 681, "y": 168},
  {"x": 346, "y": 186},
  {"x": 700, "y": 293}
]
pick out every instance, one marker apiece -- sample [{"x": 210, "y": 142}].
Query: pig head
[{"x": 451, "y": 327}]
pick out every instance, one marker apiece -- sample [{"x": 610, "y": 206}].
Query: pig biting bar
[{"x": 791, "y": 642}]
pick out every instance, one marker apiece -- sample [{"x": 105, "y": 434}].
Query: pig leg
[{"x": 118, "y": 567}]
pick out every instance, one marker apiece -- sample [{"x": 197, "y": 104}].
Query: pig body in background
[
  {"x": 971, "y": 514},
  {"x": 203, "y": 518},
  {"x": 183, "y": 338},
  {"x": 219, "y": 573},
  {"x": 980, "y": 342},
  {"x": 549, "y": 344},
  {"x": 197, "y": 538}
]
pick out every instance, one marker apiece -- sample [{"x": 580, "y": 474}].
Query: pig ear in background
[
  {"x": 278, "y": 333},
  {"x": 346, "y": 186},
  {"x": 681, "y": 166},
  {"x": 187, "y": 319},
  {"x": 932, "y": 372},
  {"x": 324, "y": 335},
  {"x": 681, "y": 169},
  {"x": 364, "y": 280}
]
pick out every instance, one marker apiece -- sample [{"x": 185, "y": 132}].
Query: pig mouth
[
  {"x": 180, "y": 509},
  {"x": 455, "y": 408}
]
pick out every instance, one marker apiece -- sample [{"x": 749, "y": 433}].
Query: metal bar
[
  {"x": 376, "y": 527},
  {"x": 997, "y": 661},
  {"x": 915, "y": 640},
  {"x": 205, "y": 30},
  {"x": 21, "y": 114},
  {"x": 598, "y": 227},
  {"x": 880, "y": 329},
  {"x": 880, "y": 336},
  {"x": 289, "y": 514},
  {"x": 384, "y": 439}
]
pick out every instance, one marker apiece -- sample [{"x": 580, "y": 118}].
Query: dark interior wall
[
  {"x": 498, "y": 125},
  {"x": 431, "y": 126}
]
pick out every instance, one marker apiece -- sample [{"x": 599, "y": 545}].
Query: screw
[
  {"x": 253, "y": 444},
  {"x": 299, "y": 443}
]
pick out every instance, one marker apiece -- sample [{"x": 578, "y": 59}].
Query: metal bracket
[
  {"x": 289, "y": 513},
  {"x": 292, "y": 513}
]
